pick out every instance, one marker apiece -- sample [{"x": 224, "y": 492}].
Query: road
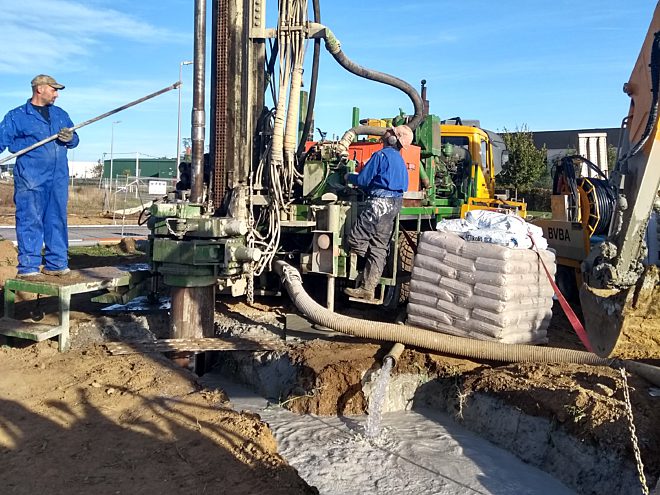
[{"x": 88, "y": 234}]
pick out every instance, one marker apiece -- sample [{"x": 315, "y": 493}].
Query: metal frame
[{"x": 87, "y": 280}]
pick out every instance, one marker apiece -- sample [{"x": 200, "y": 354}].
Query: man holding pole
[{"x": 40, "y": 178}]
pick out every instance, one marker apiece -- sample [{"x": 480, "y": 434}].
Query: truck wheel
[
  {"x": 397, "y": 295},
  {"x": 567, "y": 283}
]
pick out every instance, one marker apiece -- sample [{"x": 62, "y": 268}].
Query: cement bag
[
  {"x": 499, "y": 266},
  {"x": 527, "y": 263},
  {"x": 456, "y": 287},
  {"x": 421, "y": 287},
  {"x": 432, "y": 251},
  {"x": 424, "y": 275},
  {"x": 514, "y": 231},
  {"x": 510, "y": 319},
  {"x": 499, "y": 332},
  {"x": 474, "y": 250},
  {"x": 432, "y": 264},
  {"x": 453, "y": 310},
  {"x": 457, "y": 225},
  {"x": 500, "y": 279},
  {"x": 445, "y": 240},
  {"x": 459, "y": 263},
  {"x": 522, "y": 303},
  {"x": 492, "y": 236},
  {"x": 513, "y": 292},
  {"x": 431, "y": 314},
  {"x": 431, "y": 324},
  {"x": 534, "y": 338}
]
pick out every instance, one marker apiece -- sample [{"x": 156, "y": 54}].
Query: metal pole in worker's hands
[{"x": 91, "y": 121}]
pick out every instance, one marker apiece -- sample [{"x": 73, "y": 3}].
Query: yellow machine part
[
  {"x": 503, "y": 206},
  {"x": 377, "y": 123}
]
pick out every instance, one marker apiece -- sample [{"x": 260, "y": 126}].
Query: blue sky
[{"x": 547, "y": 65}]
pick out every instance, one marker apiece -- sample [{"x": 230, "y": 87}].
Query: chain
[
  {"x": 633, "y": 435},
  {"x": 250, "y": 284}
]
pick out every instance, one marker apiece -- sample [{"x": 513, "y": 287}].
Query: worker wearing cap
[
  {"x": 384, "y": 178},
  {"x": 40, "y": 178}
]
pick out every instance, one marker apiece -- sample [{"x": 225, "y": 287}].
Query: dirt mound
[
  {"x": 8, "y": 261},
  {"x": 587, "y": 400},
  {"x": 86, "y": 422}
]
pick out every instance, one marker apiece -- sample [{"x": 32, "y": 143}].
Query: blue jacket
[
  {"x": 24, "y": 126},
  {"x": 385, "y": 175}
]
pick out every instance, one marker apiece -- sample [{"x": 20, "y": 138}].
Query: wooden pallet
[{"x": 195, "y": 345}]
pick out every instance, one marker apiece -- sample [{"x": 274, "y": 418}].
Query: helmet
[
  {"x": 404, "y": 135},
  {"x": 447, "y": 149}
]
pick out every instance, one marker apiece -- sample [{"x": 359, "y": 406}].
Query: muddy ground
[{"x": 89, "y": 422}]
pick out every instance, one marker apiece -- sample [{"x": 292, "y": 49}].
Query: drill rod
[{"x": 91, "y": 121}]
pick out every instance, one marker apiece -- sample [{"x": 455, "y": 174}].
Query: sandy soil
[
  {"x": 86, "y": 422},
  {"x": 7, "y": 218}
]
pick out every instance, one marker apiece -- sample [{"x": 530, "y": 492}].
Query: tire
[
  {"x": 397, "y": 295},
  {"x": 567, "y": 282}
]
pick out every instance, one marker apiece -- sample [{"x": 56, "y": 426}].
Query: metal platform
[{"x": 76, "y": 282}]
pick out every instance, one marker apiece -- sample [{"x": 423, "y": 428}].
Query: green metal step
[{"x": 28, "y": 330}]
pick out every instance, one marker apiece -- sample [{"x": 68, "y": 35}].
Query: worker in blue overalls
[
  {"x": 41, "y": 178},
  {"x": 384, "y": 178}
]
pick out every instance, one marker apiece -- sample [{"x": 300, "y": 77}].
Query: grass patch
[
  {"x": 539, "y": 214},
  {"x": 100, "y": 251}
]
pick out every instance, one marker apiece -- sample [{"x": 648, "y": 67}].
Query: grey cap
[{"x": 47, "y": 80}]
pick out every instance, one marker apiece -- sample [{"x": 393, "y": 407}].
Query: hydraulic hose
[
  {"x": 333, "y": 45},
  {"x": 309, "y": 116},
  {"x": 447, "y": 344},
  {"x": 655, "y": 92}
]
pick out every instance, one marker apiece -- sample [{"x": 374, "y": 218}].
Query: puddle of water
[
  {"x": 419, "y": 451},
  {"x": 140, "y": 304}
]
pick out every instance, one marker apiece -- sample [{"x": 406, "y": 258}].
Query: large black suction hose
[
  {"x": 334, "y": 47},
  {"x": 439, "y": 342}
]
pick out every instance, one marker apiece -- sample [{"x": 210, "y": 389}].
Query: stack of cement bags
[{"x": 480, "y": 290}]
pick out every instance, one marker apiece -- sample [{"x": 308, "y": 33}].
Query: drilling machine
[{"x": 269, "y": 196}]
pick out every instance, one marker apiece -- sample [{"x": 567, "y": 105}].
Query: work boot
[
  {"x": 28, "y": 276},
  {"x": 56, "y": 273},
  {"x": 359, "y": 293}
]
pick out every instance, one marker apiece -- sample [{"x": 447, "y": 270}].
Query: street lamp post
[
  {"x": 178, "y": 130},
  {"x": 112, "y": 144}
]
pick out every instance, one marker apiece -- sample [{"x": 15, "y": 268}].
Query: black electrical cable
[
  {"x": 603, "y": 207},
  {"x": 603, "y": 195},
  {"x": 564, "y": 176}
]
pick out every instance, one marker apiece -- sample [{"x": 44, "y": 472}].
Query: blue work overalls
[{"x": 41, "y": 190}]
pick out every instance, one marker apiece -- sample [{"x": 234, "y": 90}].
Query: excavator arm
[{"x": 620, "y": 295}]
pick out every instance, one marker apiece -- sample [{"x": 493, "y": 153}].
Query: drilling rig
[{"x": 264, "y": 191}]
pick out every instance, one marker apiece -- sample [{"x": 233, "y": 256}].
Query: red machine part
[{"x": 362, "y": 151}]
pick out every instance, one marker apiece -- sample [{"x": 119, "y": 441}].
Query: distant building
[
  {"x": 78, "y": 170},
  {"x": 146, "y": 167},
  {"x": 82, "y": 170},
  {"x": 590, "y": 143}
]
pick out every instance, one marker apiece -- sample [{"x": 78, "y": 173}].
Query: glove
[{"x": 65, "y": 135}]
